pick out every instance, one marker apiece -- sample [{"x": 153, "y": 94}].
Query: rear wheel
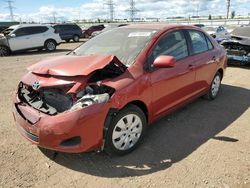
[
  {"x": 76, "y": 38},
  {"x": 215, "y": 87},
  {"x": 50, "y": 45},
  {"x": 125, "y": 131},
  {"x": 4, "y": 51}
]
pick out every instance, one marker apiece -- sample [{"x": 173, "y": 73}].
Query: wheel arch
[
  {"x": 141, "y": 105},
  {"x": 49, "y": 40},
  {"x": 113, "y": 112},
  {"x": 220, "y": 70}
]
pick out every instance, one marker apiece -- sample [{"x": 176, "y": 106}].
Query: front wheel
[
  {"x": 4, "y": 51},
  {"x": 215, "y": 87},
  {"x": 50, "y": 45},
  {"x": 125, "y": 131}
]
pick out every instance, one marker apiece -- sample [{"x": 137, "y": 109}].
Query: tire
[
  {"x": 50, "y": 45},
  {"x": 215, "y": 87},
  {"x": 4, "y": 51},
  {"x": 76, "y": 38},
  {"x": 68, "y": 40},
  {"x": 126, "y": 131}
]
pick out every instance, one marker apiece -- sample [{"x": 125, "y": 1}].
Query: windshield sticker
[{"x": 139, "y": 34}]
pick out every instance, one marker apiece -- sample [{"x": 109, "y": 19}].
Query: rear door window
[
  {"x": 199, "y": 42},
  {"x": 37, "y": 30}
]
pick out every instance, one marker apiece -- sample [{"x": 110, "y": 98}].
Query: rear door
[
  {"x": 171, "y": 86},
  {"x": 205, "y": 58}
]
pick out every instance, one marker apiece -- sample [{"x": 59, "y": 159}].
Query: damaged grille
[
  {"x": 49, "y": 100},
  {"x": 56, "y": 100}
]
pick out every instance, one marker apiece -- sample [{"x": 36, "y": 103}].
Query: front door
[{"x": 171, "y": 86}]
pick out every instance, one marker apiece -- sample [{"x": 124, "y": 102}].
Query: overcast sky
[{"x": 42, "y": 11}]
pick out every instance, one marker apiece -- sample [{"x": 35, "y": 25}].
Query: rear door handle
[
  {"x": 213, "y": 60},
  {"x": 190, "y": 67}
]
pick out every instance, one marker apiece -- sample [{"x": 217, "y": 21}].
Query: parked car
[
  {"x": 27, "y": 37},
  {"x": 105, "y": 93},
  {"x": 238, "y": 46},
  {"x": 199, "y": 25},
  {"x": 220, "y": 33},
  {"x": 69, "y": 32},
  {"x": 107, "y": 28},
  {"x": 88, "y": 32}
]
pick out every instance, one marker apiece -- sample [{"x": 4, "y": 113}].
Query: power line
[
  {"x": 111, "y": 6},
  {"x": 10, "y": 7}
]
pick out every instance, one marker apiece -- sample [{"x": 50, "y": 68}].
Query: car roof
[
  {"x": 70, "y": 24},
  {"x": 29, "y": 25},
  {"x": 160, "y": 26}
]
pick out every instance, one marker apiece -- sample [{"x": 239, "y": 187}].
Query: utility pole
[
  {"x": 10, "y": 7},
  {"x": 132, "y": 10},
  {"x": 111, "y": 6},
  {"x": 54, "y": 16},
  {"x": 197, "y": 10},
  {"x": 228, "y": 7}
]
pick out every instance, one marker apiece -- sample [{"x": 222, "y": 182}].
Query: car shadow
[
  {"x": 247, "y": 66},
  {"x": 169, "y": 140},
  {"x": 38, "y": 52}
]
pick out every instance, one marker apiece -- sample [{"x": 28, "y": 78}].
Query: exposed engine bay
[
  {"x": 58, "y": 99},
  {"x": 55, "y": 100},
  {"x": 238, "y": 50}
]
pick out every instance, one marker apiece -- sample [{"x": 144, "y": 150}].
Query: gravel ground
[{"x": 205, "y": 144}]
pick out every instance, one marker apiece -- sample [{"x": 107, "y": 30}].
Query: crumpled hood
[{"x": 69, "y": 65}]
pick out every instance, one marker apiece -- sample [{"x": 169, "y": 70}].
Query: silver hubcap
[
  {"x": 216, "y": 85},
  {"x": 127, "y": 132},
  {"x": 51, "y": 46}
]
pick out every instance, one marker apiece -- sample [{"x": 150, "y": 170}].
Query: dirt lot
[{"x": 205, "y": 144}]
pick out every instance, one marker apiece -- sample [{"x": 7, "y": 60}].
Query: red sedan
[{"x": 105, "y": 93}]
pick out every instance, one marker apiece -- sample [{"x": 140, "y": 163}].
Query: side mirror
[
  {"x": 164, "y": 61},
  {"x": 13, "y": 35}
]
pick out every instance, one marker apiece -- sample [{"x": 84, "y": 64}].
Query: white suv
[{"x": 27, "y": 37}]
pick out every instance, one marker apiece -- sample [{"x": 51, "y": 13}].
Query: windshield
[{"x": 125, "y": 43}]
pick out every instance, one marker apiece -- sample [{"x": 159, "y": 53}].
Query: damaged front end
[
  {"x": 238, "y": 47},
  {"x": 53, "y": 101},
  {"x": 237, "y": 52},
  {"x": 63, "y": 105},
  {"x": 52, "y": 93},
  {"x": 78, "y": 91}
]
